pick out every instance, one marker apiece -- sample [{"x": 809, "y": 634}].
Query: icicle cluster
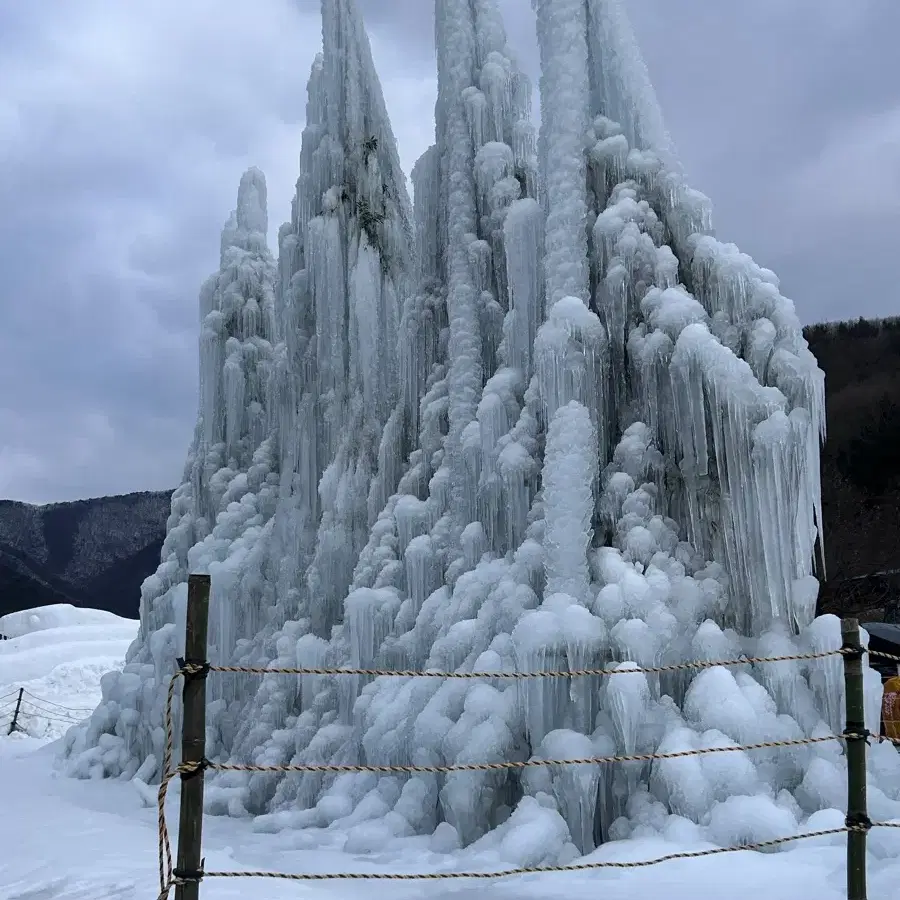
[
  {"x": 221, "y": 515},
  {"x": 543, "y": 421}
]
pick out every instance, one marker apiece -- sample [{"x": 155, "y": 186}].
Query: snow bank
[
  {"x": 59, "y": 663},
  {"x": 57, "y": 615}
]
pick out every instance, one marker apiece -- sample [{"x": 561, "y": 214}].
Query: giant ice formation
[{"x": 543, "y": 420}]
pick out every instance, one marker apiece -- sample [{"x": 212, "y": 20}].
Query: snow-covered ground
[
  {"x": 57, "y": 654},
  {"x": 74, "y": 840}
]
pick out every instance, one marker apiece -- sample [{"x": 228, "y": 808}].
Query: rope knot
[
  {"x": 192, "y": 668},
  {"x": 186, "y": 876},
  {"x": 191, "y": 769},
  {"x": 858, "y": 822}
]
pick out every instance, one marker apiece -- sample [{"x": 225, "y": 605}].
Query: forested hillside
[
  {"x": 92, "y": 553},
  {"x": 861, "y": 463}
]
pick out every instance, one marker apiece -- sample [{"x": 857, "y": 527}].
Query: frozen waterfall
[{"x": 542, "y": 420}]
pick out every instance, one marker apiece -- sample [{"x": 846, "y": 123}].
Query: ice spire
[
  {"x": 485, "y": 144},
  {"x": 238, "y": 331},
  {"x": 620, "y": 84},
  {"x": 565, "y": 95},
  {"x": 356, "y": 259},
  {"x": 220, "y": 512}
]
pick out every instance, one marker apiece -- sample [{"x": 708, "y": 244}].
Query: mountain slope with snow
[{"x": 92, "y": 552}]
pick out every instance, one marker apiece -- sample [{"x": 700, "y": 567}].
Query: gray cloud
[{"x": 124, "y": 130}]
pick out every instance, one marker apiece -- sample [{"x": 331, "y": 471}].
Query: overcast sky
[{"x": 124, "y": 129}]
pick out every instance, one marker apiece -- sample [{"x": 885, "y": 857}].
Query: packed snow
[
  {"x": 542, "y": 418},
  {"x": 104, "y": 834},
  {"x": 57, "y": 655}
]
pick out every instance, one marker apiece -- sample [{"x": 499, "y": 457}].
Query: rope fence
[
  {"x": 86, "y": 710},
  {"x": 21, "y": 706},
  {"x": 192, "y": 669},
  {"x": 189, "y": 872}
]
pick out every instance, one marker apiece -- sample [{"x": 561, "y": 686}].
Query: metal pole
[
  {"x": 13, "y": 726},
  {"x": 189, "y": 866},
  {"x": 856, "y": 737}
]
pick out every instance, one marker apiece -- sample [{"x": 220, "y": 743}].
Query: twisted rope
[
  {"x": 192, "y": 669},
  {"x": 192, "y": 767},
  {"x": 530, "y": 870},
  {"x": 166, "y": 877},
  {"x": 168, "y": 880}
]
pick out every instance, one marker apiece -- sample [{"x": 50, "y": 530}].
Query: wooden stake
[
  {"x": 193, "y": 741},
  {"x": 855, "y": 732},
  {"x": 13, "y": 726}
]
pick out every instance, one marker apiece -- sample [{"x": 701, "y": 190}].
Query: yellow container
[{"x": 890, "y": 708}]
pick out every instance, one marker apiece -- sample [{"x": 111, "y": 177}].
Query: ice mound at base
[{"x": 583, "y": 433}]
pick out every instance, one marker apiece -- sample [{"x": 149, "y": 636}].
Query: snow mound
[
  {"x": 58, "y": 657},
  {"x": 57, "y": 615}
]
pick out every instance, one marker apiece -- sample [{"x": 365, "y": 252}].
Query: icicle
[
  {"x": 565, "y": 86},
  {"x": 586, "y": 646},
  {"x": 575, "y": 787},
  {"x": 523, "y": 236},
  {"x": 628, "y": 699},
  {"x": 541, "y": 647},
  {"x": 421, "y": 574},
  {"x": 570, "y": 475},
  {"x": 572, "y": 363}
]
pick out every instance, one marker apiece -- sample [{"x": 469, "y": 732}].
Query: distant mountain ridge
[{"x": 93, "y": 553}]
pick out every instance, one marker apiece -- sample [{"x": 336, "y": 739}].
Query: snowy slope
[{"x": 58, "y": 655}]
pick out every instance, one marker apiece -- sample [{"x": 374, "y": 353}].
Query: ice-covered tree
[
  {"x": 345, "y": 264},
  {"x": 221, "y": 512},
  {"x": 548, "y": 422}
]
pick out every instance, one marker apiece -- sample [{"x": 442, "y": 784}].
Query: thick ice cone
[
  {"x": 222, "y": 513},
  {"x": 546, "y": 421}
]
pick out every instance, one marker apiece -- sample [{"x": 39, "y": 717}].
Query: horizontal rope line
[
  {"x": 45, "y": 717},
  {"x": 29, "y": 704},
  {"x": 59, "y": 705},
  {"x": 881, "y": 655},
  {"x": 192, "y": 669},
  {"x": 527, "y": 870},
  {"x": 190, "y": 767},
  {"x": 531, "y": 870},
  {"x": 48, "y": 714}
]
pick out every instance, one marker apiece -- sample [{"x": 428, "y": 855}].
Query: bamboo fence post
[
  {"x": 189, "y": 868},
  {"x": 857, "y": 737}
]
